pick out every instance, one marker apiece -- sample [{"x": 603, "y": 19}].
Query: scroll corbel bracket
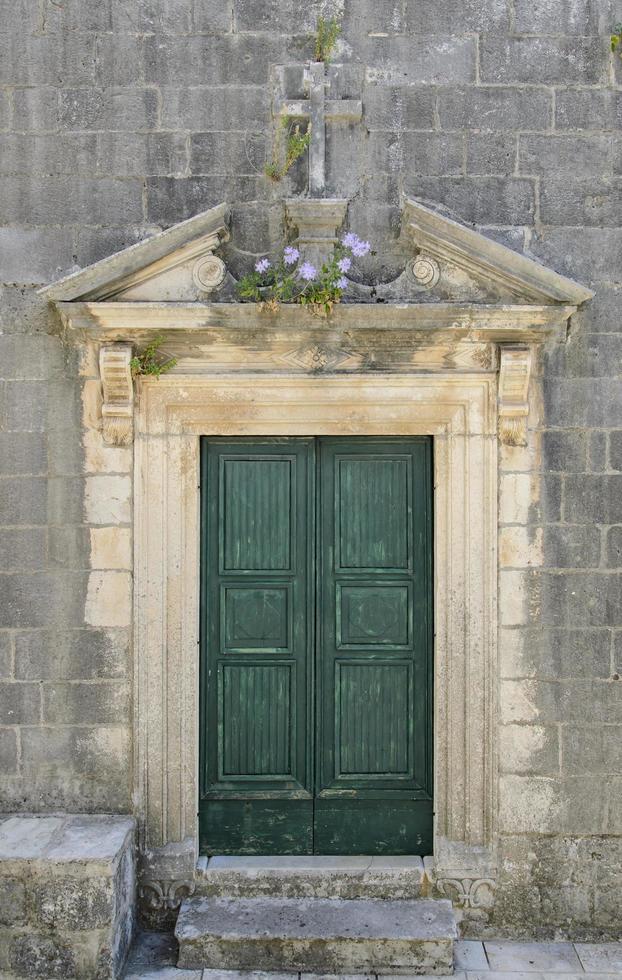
[
  {"x": 514, "y": 377},
  {"x": 118, "y": 394}
]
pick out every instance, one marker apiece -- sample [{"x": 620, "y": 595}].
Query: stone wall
[{"x": 119, "y": 118}]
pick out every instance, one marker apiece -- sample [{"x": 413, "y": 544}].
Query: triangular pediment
[
  {"x": 463, "y": 254},
  {"x": 445, "y": 262},
  {"x": 175, "y": 265}
]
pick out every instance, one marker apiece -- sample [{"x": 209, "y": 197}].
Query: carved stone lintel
[
  {"x": 514, "y": 375},
  {"x": 118, "y": 391},
  {"x": 468, "y": 893}
]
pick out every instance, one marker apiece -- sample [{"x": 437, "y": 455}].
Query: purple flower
[
  {"x": 361, "y": 248},
  {"x": 262, "y": 265},
  {"x": 349, "y": 240},
  {"x": 307, "y": 271},
  {"x": 344, "y": 264},
  {"x": 291, "y": 255},
  {"x": 342, "y": 283}
]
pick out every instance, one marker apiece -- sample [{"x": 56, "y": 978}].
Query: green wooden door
[{"x": 316, "y": 646}]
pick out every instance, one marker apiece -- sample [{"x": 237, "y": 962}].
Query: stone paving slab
[
  {"x": 518, "y": 957},
  {"x": 600, "y": 957},
  {"x": 71, "y": 839}
]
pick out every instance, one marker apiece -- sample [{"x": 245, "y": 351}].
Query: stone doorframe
[{"x": 460, "y": 411}]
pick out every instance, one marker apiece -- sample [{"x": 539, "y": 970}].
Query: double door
[{"x": 316, "y": 646}]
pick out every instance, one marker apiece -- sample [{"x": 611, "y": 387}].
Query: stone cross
[{"x": 318, "y": 110}]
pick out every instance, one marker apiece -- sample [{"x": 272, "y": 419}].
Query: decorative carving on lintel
[
  {"x": 514, "y": 375},
  {"x": 318, "y": 221},
  {"x": 425, "y": 270},
  {"x": 118, "y": 391}
]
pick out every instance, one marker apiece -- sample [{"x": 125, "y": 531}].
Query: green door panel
[
  {"x": 316, "y": 646},
  {"x": 257, "y": 643},
  {"x": 373, "y": 727}
]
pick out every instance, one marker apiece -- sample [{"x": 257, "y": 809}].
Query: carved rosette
[
  {"x": 468, "y": 893},
  {"x": 514, "y": 375},
  {"x": 209, "y": 273},
  {"x": 425, "y": 271},
  {"x": 118, "y": 394},
  {"x": 164, "y": 895}
]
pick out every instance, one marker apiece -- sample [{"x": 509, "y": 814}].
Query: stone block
[
  {"x": 421, "y": 60},
  {"x": 571, "y": 546},
  {"x": 20, "y": 703},
  {"x": 591, "y": 109},
  {"x": 25, "y": 406},
  {"x": 34, "y": 255},
  {"x": 564, "y": 452},
  {"x": 109, "y": 599},
  {"x": 24, "y": 454},
  {"x": 23, "y": 500},
  {"x": 596, "y": 257},
  {"x": 574, "y": 599},
  {"x": 590, "y": 498},
  {"x": 564, "y": 156},
  {"x": 455, "y": 17},
  {"x": 74, "y": 15},
  {"x": 8, "y": 764},
  {"x": 614, "y": 547},
  {"x": 241, "y": 59},
  {"x": 603, "y": 314},
  {"x": 597, "y": 452},
  {"x": 32, "y": 358},
  {"x": 529, "y": 750},
  {"x": 278, "y": 16},
  {"x": 107, "y": 499},
  {"x": 68, "y": 904},
  {"x": 147, "y": 17},
  {"x": 483, "y": 200},
  {"x": 85, "y": 703},
  {"x": 615, "y": 450},
  {"x": 40, "y": 955},
  {"x": 591, "y": 750},
  {"x": 5, "y": 110},
  {"x": 399, "y": 107},
  {"x": 555, "y": 653},
  {"x": 130, "y": 109},
  {"x": 68, "y": 546},
  {"x": 35, "y": 109},
  {"x": 225, "y": 153},
  {"x": 100, "y": 753},
  {"x": 543, "y": 60},
  {"x": 515, "y": 957},
  {"x": 6, "y": 654},
  {"x": 583, "y": 17},
  {"x": 170, "y": 200},
  {"x": 13, "y": 909},
  {"x": 78, "y": 873},
  {"x": 520, "y": 547},
  {"x": 529, "y": 702},
  {"x": 41, "y": 599},
  {"x": 68, "y": 200},
  {"x": 578, "y": 402},
  {"x": 213, "y": 18},
  {"x": 22, "y": 549},
  {"x": 497, "y": 108},
  {"x": 83, "y": 654},
  {"x": 217, "y": 108},
  {"x": 491, "y": 153},
  {"x": 120, "y": 60},
  {"x": 65, "y": 500},
  {"x": 44, "y": 58},
  {"x": 316, "y": 935},
  {"x": 591, "y": 201},
  {"x": 111, "y": 548}
]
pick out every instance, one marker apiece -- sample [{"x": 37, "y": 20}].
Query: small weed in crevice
[
  {"x": 326, "y": 36},
  {"x": 151, "y": 362},
  {"x": 616, "y": 39},
  {"x": 296, "y": 145}
]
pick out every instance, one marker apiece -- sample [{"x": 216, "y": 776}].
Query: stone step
[
  {"x": 317, "y": 935},
  {"x": 310, "y": 877}
]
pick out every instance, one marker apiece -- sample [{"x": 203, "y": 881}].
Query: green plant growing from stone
[
  {"x": 326, "y": 35},
  {"x": 616, "y": 38},
  {"x": 151, "y": 362},
  {"x": 296, "y": 145},
  {"x": 291, "y": 281}
]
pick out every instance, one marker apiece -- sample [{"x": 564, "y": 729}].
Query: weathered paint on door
[{"x": 316, "y": 646}]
